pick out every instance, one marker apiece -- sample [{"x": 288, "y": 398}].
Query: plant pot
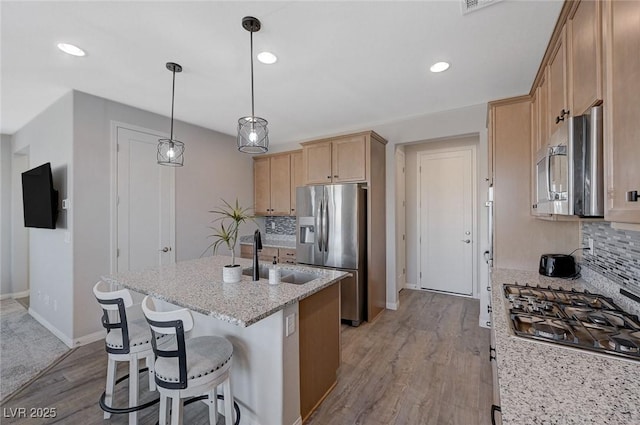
[{"x": 231, "y": 274}]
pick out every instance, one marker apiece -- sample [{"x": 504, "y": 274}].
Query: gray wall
[
  {"x": 411, "y": 190},
  {"x": 5, "y": 215},
  {"x": 49, "y": 138},
  {"x": 213, "y": 169}
]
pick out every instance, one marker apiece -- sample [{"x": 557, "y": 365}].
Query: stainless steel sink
[{"x": 287, "y": 276}]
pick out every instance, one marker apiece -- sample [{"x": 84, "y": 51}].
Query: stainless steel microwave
[{"x": 569, "y": 169}]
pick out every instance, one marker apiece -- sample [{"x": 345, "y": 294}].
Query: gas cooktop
[{"x": 576, "y": 319}]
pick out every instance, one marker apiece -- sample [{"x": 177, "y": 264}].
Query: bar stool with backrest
[
  {"x": 188, "y": 367},
  {"x": 126, "y": 341}
]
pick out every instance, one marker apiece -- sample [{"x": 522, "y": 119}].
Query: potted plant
[{"x": 230, "y": 218}]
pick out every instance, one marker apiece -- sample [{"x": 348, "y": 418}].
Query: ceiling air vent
[{"x": 473, "y": 5}]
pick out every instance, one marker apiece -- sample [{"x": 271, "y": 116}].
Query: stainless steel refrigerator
[{"x": 331, "y": 232}]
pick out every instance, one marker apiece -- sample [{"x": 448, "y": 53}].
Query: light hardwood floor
[{"x": 426, "y": 363}]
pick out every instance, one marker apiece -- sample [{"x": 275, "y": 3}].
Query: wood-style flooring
[{"x": 426, "y": 363}]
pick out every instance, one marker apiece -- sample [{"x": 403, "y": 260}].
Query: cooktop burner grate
[{"x": 576, "y": 319}]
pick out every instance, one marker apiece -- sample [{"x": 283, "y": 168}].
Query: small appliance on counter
[{"x": 557, "y": 265}]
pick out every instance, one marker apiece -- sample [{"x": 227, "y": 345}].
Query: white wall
[
  {"x": 19, "y": 233},
  {"x": 411, "y": 191},
  {"x": 213, "y": 169},
  {"x": 49, "y": 138},
  {"x": 446, "y": 124},
  {"x": 5, "y": 215}
]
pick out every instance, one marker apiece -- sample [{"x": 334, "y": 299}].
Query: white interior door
[
  {"x": 446, "y": 221},
  {"x": 401, "y": 247},
  {"x": 145, "y": 203}
]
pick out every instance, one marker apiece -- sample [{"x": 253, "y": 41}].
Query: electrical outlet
[
  {"x": 291, "y": 324},
  {"x": 46, "y": 300},
  {"x": 39, "y": 295},
  {"x": 273, "y": 225},
  {"x": 592, "y": 250}
]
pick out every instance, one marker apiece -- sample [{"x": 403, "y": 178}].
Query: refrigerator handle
[
  {"x": 325, "y": 226},
  {"x": 319, "y": 222}
]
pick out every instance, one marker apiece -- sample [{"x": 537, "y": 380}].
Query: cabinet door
[
  {"x": 557, "y": 77},
  {"x": 542, "y": 94},
  {"x": 261, "y": 186},
  {"x": 349, "y": 159},
  {"x": 297, "y": 178},
  {"x": 280, "y": 185},
  {"x": 585, "y": 64},
  {"x": 535, "y": 145},
  {"x": 622, "y": 110},
  {"x": 317, "y": 163}
]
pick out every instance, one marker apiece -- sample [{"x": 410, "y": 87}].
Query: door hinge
[
  {"x": 118, "y": 147},
  {"x": 421, "y": 168},
  {"x": 117, "y": 252},
  {"x": 403, "y": 203},
  {"x": 403, "y": 271},
  {"x": 117, "y": 200},
  {"x": 402, "y": 237},
  {"x": 420, "y": 275}
]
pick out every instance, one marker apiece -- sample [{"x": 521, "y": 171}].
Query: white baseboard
[
  {"x": 15, "y": 295},
  {"x": 298, "y": 421},
  {"x": 44, "y": 322},
  {"x": 411, "y": 286},
  {"x": 392, "y": 306},
  {"x": 88, "y": 339}
]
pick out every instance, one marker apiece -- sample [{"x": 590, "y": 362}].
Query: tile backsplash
[
  {"x": 280, "y": 225},
  {"x": 617, "y": 253}
]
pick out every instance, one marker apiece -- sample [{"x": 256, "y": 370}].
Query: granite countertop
[
  {"x": 542, "y": 383},
  {"x": 272, "y": 241},
  {"x": 197, "y": 285}
]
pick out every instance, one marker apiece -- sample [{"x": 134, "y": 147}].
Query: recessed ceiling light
[
  {"x": 71, "y": 49},
  {"x": 267, "y": 58},
  {"x": 439, "y": 67}
]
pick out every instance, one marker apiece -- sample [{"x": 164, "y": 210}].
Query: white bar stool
[
  {"x": 188, "y": 367},
  {"x": 126, "y": 341}
]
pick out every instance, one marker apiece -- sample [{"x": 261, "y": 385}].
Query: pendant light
[
  {"x": 253, "y": 134},
  {"x": 170, "y": 151}
]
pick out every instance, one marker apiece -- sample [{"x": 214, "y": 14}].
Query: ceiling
[{"x": 342, "y": 66}]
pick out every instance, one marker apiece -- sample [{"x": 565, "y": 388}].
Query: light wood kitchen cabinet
[
  {"x": 297, "y": 177},
  {"x": 338, "y": 160},
  {"x": 622, "y": 110},
  {"x": 275, "y": 179},
  {"x": 558, "y": 109},
  {"x": 542, "y": 98},
  {"x": 268, "y": 253},
  {"x": 584, "y": 39}
]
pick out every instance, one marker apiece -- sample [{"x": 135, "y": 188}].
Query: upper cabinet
[
  {"x": 558, "y": 109},
  {"x": 622, "y": 110},
  {"x": 337, "y": 160},
  {"x": 584, "y": 36},
  {"x": 275, "y": 179}
]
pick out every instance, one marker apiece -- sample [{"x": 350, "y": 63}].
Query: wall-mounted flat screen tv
[{"x": 39, "y": 198}]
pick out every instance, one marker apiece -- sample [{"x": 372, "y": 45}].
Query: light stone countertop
[
  {"x": 272, "y": 241},
  {"x": 197, "y": 285},
  {"x": 543, "y": 383}
]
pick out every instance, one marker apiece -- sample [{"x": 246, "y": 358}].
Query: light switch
[{"x": 290, "y": 324}]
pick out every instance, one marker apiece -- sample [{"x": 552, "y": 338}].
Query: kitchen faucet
[{"x": 257, "y": 244}]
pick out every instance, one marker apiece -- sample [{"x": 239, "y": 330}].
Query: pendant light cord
[
  {"x": 173, "y": 92},
  {"x": 253, "y": 114}
]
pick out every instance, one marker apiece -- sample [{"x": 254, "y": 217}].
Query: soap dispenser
[{"x": 274, "y": 273}]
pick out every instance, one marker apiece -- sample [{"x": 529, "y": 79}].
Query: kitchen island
[
  {"x": 259, "y": 319},
  {"x": 542, "y": 383}
]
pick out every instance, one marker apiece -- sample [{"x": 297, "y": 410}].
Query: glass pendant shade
[
  {"x": 253, "y": 135},
  {"x": 170, "y": 152}
]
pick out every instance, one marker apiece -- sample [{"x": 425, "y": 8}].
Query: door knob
[
  {"x": 466, "y": 240},
  {"x": 166, "y": 249}
]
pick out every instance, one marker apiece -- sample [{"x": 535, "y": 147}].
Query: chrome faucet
[{"x": 257, "y": 244}]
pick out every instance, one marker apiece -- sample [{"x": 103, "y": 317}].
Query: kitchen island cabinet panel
[{"x": 319, "y": 347}]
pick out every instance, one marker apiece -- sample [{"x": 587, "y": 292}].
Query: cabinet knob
[
  {"x": 328, "y": 177},
  {"x": 335, "y": 177},
  {"x": 632, "y": 196}
]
